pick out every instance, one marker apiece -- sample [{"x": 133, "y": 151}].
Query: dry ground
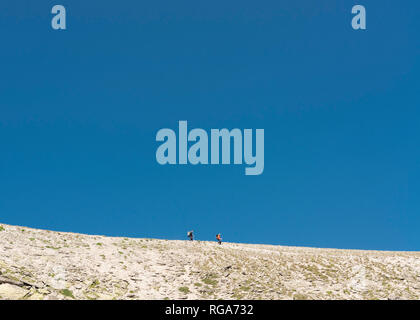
[{"x": 41, "y": 264}]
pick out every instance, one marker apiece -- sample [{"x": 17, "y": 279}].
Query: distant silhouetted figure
[
  {"x": 190, "y": 235},
  {"x": 219, "y": 238}
]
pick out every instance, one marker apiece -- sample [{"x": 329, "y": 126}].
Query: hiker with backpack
[
  {"x": 190, "y": 235},
  {"x": 219, "y": 238}
]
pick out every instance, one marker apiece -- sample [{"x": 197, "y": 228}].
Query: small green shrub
[
  {"x": 210, "y": 281},
  {"x": 94, "y": 283},
  {"x": 184, "y": 290},
  {"x": 67, "y": 293}
]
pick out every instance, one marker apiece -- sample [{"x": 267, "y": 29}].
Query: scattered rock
[{"x": 12, "y": 292}]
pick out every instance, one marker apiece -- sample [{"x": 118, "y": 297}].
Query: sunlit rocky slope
[{"x": 40, "y": 264}]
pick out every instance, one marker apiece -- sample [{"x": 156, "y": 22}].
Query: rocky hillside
[{"x": 40, "y": 264}]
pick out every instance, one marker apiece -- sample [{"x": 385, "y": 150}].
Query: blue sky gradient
[{"x": 80, "y": 108}]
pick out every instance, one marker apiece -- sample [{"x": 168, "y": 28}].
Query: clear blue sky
[{"x": 80, "y": 108}]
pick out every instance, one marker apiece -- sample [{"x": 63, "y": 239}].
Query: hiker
[
  {"x": 190, "y": 235},
  {"x": 219, "y": 238}
]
